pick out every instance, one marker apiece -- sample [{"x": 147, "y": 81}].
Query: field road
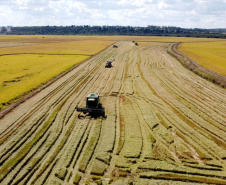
[{"x": 165, "y": 125}]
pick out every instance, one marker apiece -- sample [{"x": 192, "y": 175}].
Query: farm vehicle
[
  {"x": 135, "y": 43},
  {"x": 115, "y": 46},
  {"x": 93, "y": 107},
  {"x": 109, "y": 64}
]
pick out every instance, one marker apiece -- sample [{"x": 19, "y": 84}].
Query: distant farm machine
[
  {"x": 115, "y": 46},
  {"x": 135, "y": 43},
  {"x": 93, "y": 107},
  {"x": 109, "y": 64}
]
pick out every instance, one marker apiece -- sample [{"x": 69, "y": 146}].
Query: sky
[{"x": 179, "y": 13}]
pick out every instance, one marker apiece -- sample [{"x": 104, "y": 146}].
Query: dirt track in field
[
  {"x": 164, "y": 125},
  {"x": 13, "y": 44}
]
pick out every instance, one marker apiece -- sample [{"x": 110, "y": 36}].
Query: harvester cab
[
  {"x": 108, "y": 64},
  {"x": 93, "y": 107},
  {"x": 92, "y": 100}
]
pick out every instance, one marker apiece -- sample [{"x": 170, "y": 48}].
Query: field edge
[
  {"x": 27, "y": 95},
  {"x": 195, "y": 67}
]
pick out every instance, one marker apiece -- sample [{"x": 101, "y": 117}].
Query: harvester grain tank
[
  {"x": 108, "y": 64},
  {"x": 93, "y": 107}
]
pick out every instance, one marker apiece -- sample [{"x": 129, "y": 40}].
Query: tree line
[{"x": 115, "y": 30}]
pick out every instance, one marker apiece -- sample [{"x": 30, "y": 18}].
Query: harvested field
[
  {"x": 13, "y": 44},
  {"x": 165, "y": 125},
  {"x": 28, "y": 62}
]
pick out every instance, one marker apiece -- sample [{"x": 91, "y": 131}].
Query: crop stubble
[{"x": 164, "y": 123}]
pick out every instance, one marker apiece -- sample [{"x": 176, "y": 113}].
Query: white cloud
[
  {"x": 99, "y": 3},
  {"x": 182, "y": 13},
  {"x": 136, "y": 3},
  {"x": 4, "y": 11},
  {"x": 21, "y": 2},
  {"x": 163, "y": 5},
  {"x": 201, "y": 1},
  {"x": 191, "y": 13}
]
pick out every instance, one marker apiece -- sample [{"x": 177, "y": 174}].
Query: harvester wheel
[
  {"x": 100, "y": 106},
  {"x": 104, "y": 116},
  {"x": 80, "y": 116}
]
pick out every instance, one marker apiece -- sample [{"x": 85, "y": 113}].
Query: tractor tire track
[{"x": 164, "y": 123}]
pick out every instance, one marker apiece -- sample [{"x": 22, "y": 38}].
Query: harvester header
[{"x": 93, "y": 107}]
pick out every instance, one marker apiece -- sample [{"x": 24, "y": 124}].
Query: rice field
[
  {"x": 210, "y": 55},
  {"x": 22, "y": 73},
  {"x": 164, "y": 125},
  {"x": 27, "y": 62}
]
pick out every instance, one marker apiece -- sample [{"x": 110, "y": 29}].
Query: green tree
[{"x": 3, "y": 30}]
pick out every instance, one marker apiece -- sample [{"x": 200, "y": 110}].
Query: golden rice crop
[
  {"x": 210, "y": 55},
  {"x": 145, "y": 39},
  {"x": 86, "y": 47},
  {"x": 25, "y": 67},
  {"x": 21, "y": 73}
]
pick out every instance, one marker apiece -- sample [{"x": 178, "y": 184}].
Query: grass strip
[
  {"x": 77, "y": 178},
  {"x": 11, "y": 163},
  {"x": 182, "y": 177},
  {"x": 182, "y": 116},
  {"x": 196, "y": 68},
  {"x": 98, "y": 168},
  {"x": 91, "y": 145},
  {"x": 61, "y": 174}
]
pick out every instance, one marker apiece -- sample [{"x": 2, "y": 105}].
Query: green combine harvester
[{"x": 93, "y": 107}]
